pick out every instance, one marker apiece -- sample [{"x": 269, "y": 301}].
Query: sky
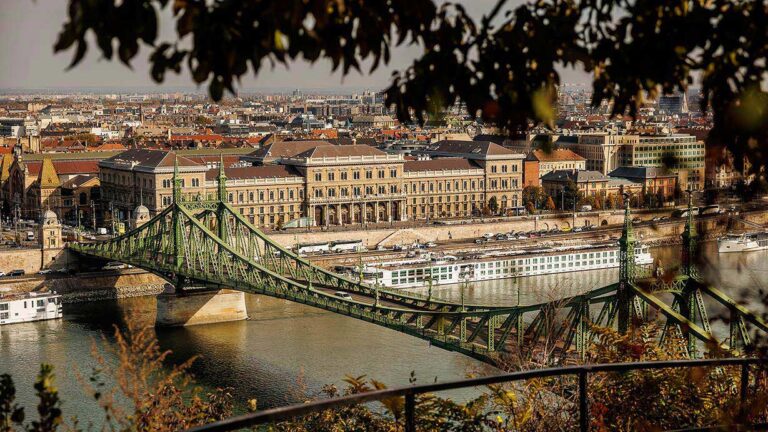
[{"x": 29, "y": 28}]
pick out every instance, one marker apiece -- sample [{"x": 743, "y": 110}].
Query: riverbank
[{"x": 87, "y": 287}]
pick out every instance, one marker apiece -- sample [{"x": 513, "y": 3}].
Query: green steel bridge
[{"x": 205, "y": 241}]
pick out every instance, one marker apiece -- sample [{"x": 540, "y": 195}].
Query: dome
[
  {"x": 50, "y": 217},
  {"x": 140, "y": 212}
]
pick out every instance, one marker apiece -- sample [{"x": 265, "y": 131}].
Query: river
[{"x": 286, "y": 349}]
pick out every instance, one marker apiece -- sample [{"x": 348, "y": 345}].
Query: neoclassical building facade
[{"x": 325, "y": 184}]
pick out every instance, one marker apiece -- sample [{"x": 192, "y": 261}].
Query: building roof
[
  {"x": 148, "y": 159},
  {"x": 64, "y": 167},
  {"x": 641, "y": 172},
  {"x": 439, "y": 165},
  {"x": 285, "y": 149},
  {"x": 557, "y": 155},
  {"x": 252, "y": 172},
  {"x": 78, "y": 180},
  {"x": 331, "y": 151},
  {"x": 48, "y": 177},
  {"x": 5, "y": 166},
  {"x": 471, "y": 149},
  {"x": 577, "y": 176}
]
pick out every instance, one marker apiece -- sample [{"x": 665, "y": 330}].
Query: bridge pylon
[{"x": 625, "y": 295}]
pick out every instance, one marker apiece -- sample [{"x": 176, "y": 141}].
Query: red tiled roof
[
  {"x": 556, "y": 155},
  {"x": 65, "y": 167}
]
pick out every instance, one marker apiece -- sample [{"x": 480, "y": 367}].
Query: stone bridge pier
[{"x": 193, "y": 306}]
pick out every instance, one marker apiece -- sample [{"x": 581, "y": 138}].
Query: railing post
[
  {"x": 744, "y": 384},
  {"x": 583, "y": 402},
  {"x": 410, "y": 412}
]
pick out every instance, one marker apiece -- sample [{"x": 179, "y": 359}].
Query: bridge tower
[
  {"x": 690, "y": 296},
  {"x": 690, "y": 238},
  {"x": 222, "y": 197},
  {"x": 178, "y": 225},
  {"x": 625, "y": 297}
]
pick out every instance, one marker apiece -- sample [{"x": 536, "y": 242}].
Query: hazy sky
[{"x": 29, "y": 29}]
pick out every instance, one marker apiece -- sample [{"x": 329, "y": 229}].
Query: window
[
  {"x": 331, "y": 176},
  {"x": 195, "y": 182},
  {"x": 356, "y": 175},
  {"x": 344, "y": 175},
  {"x": 369, "y": 174},
  {"x": 393, "y": 173},
  {"x": 318, "y": 176},
  {"x": 166, "y": 183}
]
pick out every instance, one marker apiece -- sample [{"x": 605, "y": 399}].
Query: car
[
  {"x": 656, "y": 219},
  {"x": 397, "y": 248},
  {"x": 66, "y": 271},
  {"x": 511, "y": 236},
  {"x": 431, "y": 244},
  {"x": 480, "y": 241},
  {"x": 342, "y": 294},
  {"x": 501, "y": 236},
  {"x": 16, "y": 273},
  {"x": 2, "y": 273},
  {"x": 45, "y": 271},
  {"x": 488, "y": 235},
  {"x": 521, "y": 236},
  {"x": 114, "y": 265},
  {"x": 577, "y": 229}
]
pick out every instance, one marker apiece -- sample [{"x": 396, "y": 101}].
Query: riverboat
[
  {"x": 30, "y": 307},
  {"x": 417, "y": 272},
  {"x": 746, "y": 242}
]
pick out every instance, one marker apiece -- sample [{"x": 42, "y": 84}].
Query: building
[
  {"x": 557, "y": 159},
  {"x": 32, "y": 185},
  {"x": 603, "y": 152},
  {"x": 659, "y": 185},
  {"x": 135, "y": 177},
  {"x": 680, "y": 153},
  {"x": 591, "y": 186},
  {"x": 324, "y": 183},
  {"x": 587, "y": 183}
]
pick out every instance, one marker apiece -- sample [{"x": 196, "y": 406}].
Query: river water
[{"x": 284, "y": 349}]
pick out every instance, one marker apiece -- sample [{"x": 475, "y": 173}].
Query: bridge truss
[{"x": 205, "y": 241}]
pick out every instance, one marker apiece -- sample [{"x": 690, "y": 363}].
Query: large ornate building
[{"x": 325, "y": 184}]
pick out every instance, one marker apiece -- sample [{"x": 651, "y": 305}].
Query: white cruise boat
[
  {"x": 499, "y": 265},
  {"x": 30, "y": 307},
  {"x": 746, "y": 242}
]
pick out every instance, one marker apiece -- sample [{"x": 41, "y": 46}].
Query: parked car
[
  {"x": 488, "y": 236},
  {"x": 45, "y": 271},
  {"x": 431, "y": 244},
  {"x": 2, "y": 273},
  {"x": 66, "y": 271},
  {"x": 16, "y": 273},
  {"x": 577, "y": 229},
  {"x": 480, "y": 240},
  {"x": 342, "y": 294},
  {"x": 501, "y": 236},
  {"x": 521, "y": 236}
]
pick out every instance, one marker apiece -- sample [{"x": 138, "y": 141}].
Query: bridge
[{"x": 203, "y": 241}]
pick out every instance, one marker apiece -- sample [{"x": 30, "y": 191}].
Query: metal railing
[{"x": 410, "y": 392}]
